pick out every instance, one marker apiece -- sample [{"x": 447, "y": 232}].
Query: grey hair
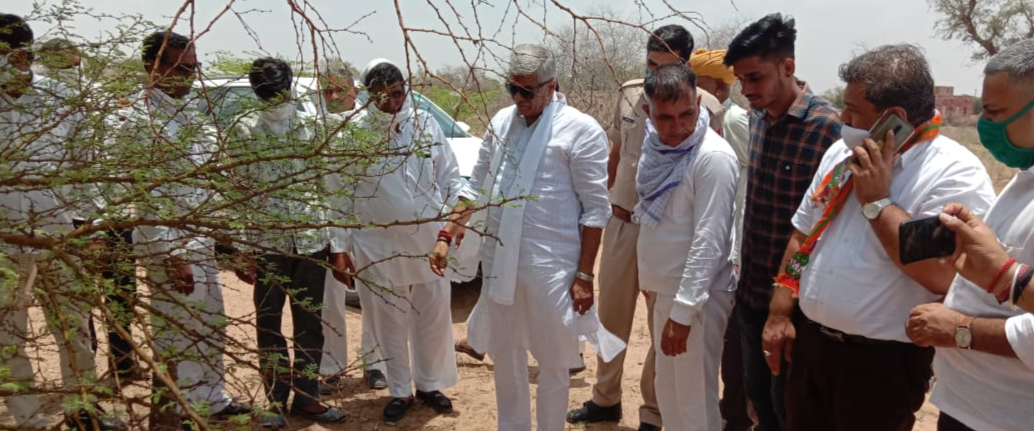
[
  {"x": 530, "y": 59},
  {"x": 337, "y": 69},
  {"x": 1017, "y": 61},
  {"x": 894, "y": 75}
]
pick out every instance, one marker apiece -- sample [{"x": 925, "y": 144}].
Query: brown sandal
[{"x": 463, "y": 347}]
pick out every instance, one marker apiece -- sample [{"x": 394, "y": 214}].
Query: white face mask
[
  {"x": 278, "y": 114},
  {"x": 853, "y": 137},
  {"x": 8, "y": 72}
]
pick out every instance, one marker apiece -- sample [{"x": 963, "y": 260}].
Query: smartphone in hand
[
  {"x": 924, "y": 238},
  {"x": 893, "y": 123}
]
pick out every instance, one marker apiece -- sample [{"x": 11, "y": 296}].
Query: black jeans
[
  {"x": 301, "y": 279},
  {"x": 734, "y": 397},
  {"x": 120, "y": 270},
  {"x": 948, "y": 423},
  {"x": 765, "y": 391}
]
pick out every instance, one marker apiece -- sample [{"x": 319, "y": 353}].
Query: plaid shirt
[{"x": 783, "y": 158}]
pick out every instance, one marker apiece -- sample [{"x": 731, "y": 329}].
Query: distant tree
[
  {"x": 978, "y": 106},
  {"x": 989, "y": 24},
  {"x": 835, "y": 96}
]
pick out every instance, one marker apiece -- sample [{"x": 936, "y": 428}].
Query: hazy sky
[{"x": 829, "y": 31}]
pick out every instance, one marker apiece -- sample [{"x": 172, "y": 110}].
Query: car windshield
[{"x": 445, "y": 121}]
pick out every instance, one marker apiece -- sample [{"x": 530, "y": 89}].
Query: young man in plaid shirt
[{"x": 790, "y": 130}]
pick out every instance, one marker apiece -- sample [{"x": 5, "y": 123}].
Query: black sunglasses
[{"x": 526, "y": 93}]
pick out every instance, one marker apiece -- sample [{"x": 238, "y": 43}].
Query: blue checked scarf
[{"x": 662, "y": 167}]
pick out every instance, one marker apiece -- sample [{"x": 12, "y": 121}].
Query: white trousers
[
  {"x": 513, "y": 393},
  {"x": 75, "y": 355},
  {"x": 335, "y": 338},
  {"x": 197, "y": 344},
  {"x": 687, "y": 384},
  {"x": 417, "y": 318}
]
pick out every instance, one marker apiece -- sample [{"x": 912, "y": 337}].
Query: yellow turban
[{"x": 710, "y": 64}]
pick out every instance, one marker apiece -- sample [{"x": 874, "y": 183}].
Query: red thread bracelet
[{"x": 1001, "y": 272}]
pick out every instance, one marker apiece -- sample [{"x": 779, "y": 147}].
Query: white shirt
[
  {"x": 570, "y": 191},
  {"x": 687, "y": 253},
  {"x": 985, "y": 391},
  {"x": 35, "y": 157},
  {"x": 288, "y": 199},
  {"x": 736, "y": 131},
  {"x": 421, "y": 185},
  {"x": 851, "y": 284},
  {"x": 185, "y": 142}
]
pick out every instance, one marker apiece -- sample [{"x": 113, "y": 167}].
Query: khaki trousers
[{"x": 619, "y": 292}]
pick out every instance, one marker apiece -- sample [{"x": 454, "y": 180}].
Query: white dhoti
[
  {"x": 75, "y": 354},
  {"x": 197, "y": 343},
  {"x": 335, "y": 338},
  {"x": 412, "y": 329},
  {"x": 508, "y": 332},
  {"x": 687, "y": 384}
]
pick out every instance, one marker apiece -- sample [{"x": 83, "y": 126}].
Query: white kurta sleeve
[
  {"x": 714, "y": 194},
  {"x": 808, "y": 213},
  {"x": 479, "y": 175},
  {"x": 588, "y": 166},
  {"x": 1020, "y": 332},
  {"x": 340, "y": 238}
]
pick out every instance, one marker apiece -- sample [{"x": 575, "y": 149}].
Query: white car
[{"x": 228, "y": 95}]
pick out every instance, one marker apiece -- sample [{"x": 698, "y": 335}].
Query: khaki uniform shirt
[{"x": 629, "y": 128}]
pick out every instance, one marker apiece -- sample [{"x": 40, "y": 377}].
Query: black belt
[{"x": 843, "y": 337}]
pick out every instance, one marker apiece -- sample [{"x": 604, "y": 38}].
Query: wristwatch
[
  {"x": 872, "y": 210},
  {"x": 963, "y": 335},
  {"x": 583, "y": 276}
]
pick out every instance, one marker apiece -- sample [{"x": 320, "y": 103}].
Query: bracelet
[
  {"x": 444, "y": 235},
  {"x": 445, "y": 240},
  {"x": 1011, "y": 289},
  {"x": 1000, "y": 274},
  {"x": 583, "y": 276},
  {"x": 1021, "y": 282}
]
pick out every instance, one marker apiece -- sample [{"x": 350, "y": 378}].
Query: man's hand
[
  {"x": 777, "y": 341},
  {"x": 581, "y": 293},
  {"x": 440, "y": 258},
  {"x": 933, "y": 325},
  {"x": 979, "y": 255},
  {"x": 181, "y": 275},
  {"x": 461, "y": 231},
  {"x": 245, "y": 267},
  {"x": 342, "y": 267},
  {"x": 873, "y": 168},
  {"x": 673, "y": 340}
]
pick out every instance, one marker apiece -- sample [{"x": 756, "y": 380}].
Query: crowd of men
[{"x": 691, "y": 201}]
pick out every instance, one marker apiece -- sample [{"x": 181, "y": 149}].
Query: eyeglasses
[
  {"x": 526, "y": 93},
  {"x": 188, "y": 68}
]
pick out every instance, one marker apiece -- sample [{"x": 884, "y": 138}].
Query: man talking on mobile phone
[{"x": 845, "y": 343}]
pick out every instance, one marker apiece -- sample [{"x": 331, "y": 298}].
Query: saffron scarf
[{"x": 834, "y": 191}]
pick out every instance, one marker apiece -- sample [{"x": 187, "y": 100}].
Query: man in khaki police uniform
[{"x": 618, "y": 277}]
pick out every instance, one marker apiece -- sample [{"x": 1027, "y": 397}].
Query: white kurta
[
  {"x": 171, "y": 200},
  {"x": 570, "y": 191},
  {"x": 984, "y": 391},
  {"x": 421, "y": 184},
  {"x": 684, "y": 260}
]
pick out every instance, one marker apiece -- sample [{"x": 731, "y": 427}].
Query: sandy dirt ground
[{"x": 473, "y": 397}]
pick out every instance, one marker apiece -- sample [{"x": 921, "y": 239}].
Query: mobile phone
[
  {"x": 924, "y": 238},
  {"x": 891, "y": 122}
]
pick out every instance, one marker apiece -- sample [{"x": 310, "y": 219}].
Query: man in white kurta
[
  {"x": 34, "y": 133},
  {"x": 530, "y": 300},
  {"x": 687, "y": 186},
  {"x": 408, "y": 304},
  {"x": 337, "y": 104}
]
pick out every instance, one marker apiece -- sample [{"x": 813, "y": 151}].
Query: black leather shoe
[
  {"x": 85, "y": 421},
  {"x": 235, "y": 408},
  {"x": 375, "y": 379},
  {"x": 648, "y": 427},
  {"x": 437, "y": 400},
  {"x": 590, "y": 412},
  {"x": 396, "y": 409}
]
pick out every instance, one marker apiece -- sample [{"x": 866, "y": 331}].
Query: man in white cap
[{"x": 408, "y": 192}]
